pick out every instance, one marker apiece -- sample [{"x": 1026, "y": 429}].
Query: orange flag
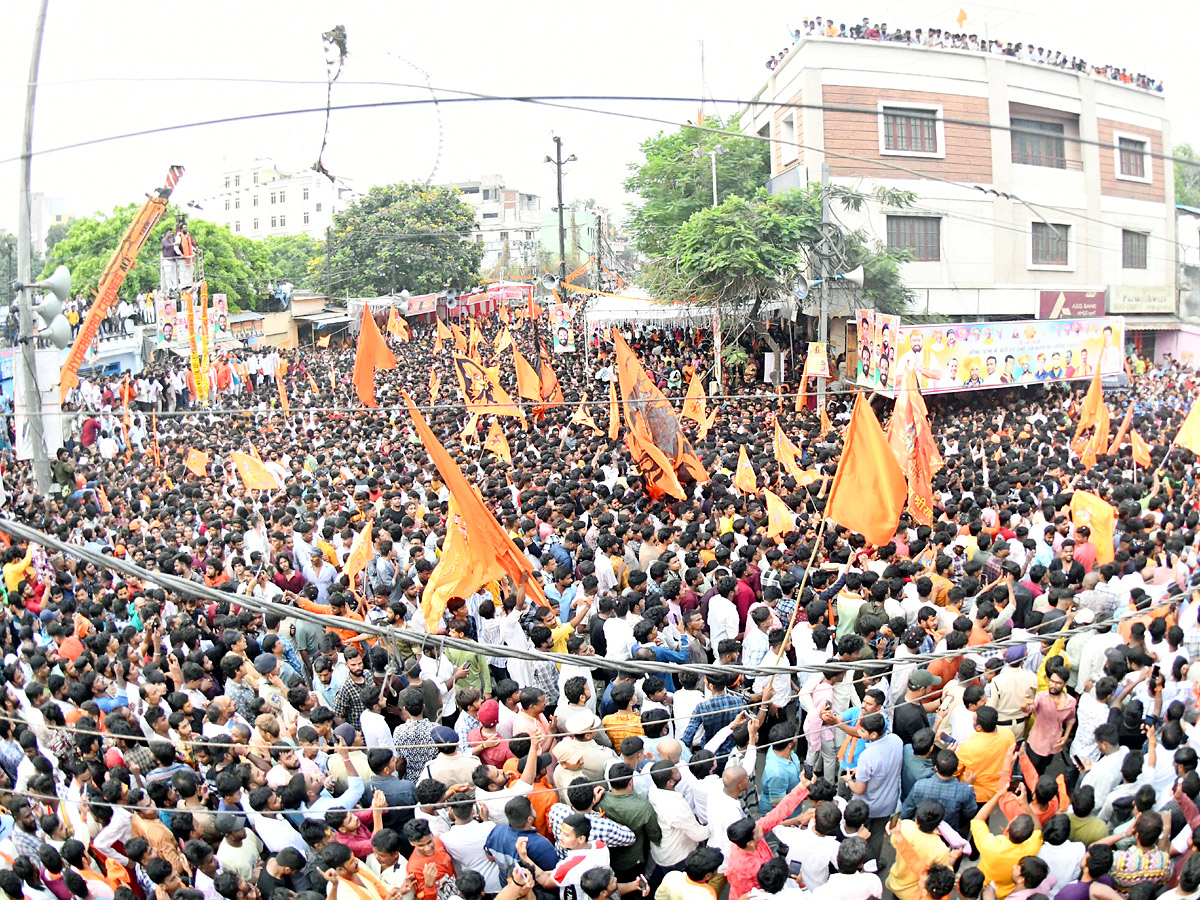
[
  {"x": 332, "y": 379},
  {"x": 441, "y": 334},
  {"x": 1189, "y": 432},
  {"x": 197, "y": 462},
  {"x": 1089, "y": 415},
  {"x": 283, "y": 394},
  {"x": 1088, "y": 456},
  {"x": 503, "y": 341},
  {"x": 693, "y": 404},
  {"x": 706, "y": 425},
  {"x": 583, "y": 417},
  {"x": 614, "y": 412},
  {"x": 324, "y": 342},
  {"x": 911, "y": 439},
  {"x": 477, "y": 549},
  {"x": 372, "y": 353},
  {"x": 744, "y": 479},
  {"x": 549, "y": 390},
  {"x": 1122, "y": 431},
  {"x": 1141, "y": 450},
  {"x": 154, "y": 432},
  {"x": 393, "y": 322},
  {"x": 312, "y": 382},
  {"x": 503, "y": 313},
  {"x": 1095, "y": 512},
  {"x": 869, "y": 489},
  {"x": 497, "y": 443},
  {"x": 476, "y": 340},
  {"x": 460, "y": 339},
  {"x": 435, "y": 381},
  {"x": 528, "y": 385},
  {"x": 654, "y": 466},
  {"x": 826, "y": 425},
  {"x": 481, "y": 388},
  {"x": 402, "y": 331},
  {"x": 255, "y": 476},
  {"x": 361, "y": 552},
  {"x": 779, "y": 518}
]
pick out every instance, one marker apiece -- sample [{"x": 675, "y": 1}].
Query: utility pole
[
  {"x": 329, "y": 262},
  {"x": 562, "y": 228},
  {"x": 822, "y": 312},
  {"x": 599, "y": 249},
  {"x": 31, "y": 399}
]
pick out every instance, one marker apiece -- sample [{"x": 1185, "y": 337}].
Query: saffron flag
[
  {"x": 528, "y": 385},
  {"x": 312, "y": 382},
  {"x": 503, "y": 313},
  {"x": 779, "y": 518},
  {"x": 372, "y": 353},
  {"x": 255, "y": 476},
  {"x": 911, "y": 441},
  {"x": 402, "y": 330},
  {"x": 1141, "y": 450},
  {"x": 503, "y": 341},
  {"x": 497, "y": 443},
  {"x": 154, "y": 435},
  {"x": 460, "y": 339},
  {"x": 477, "y": 549},
  {"x": 1089, "y": 415},
  {"x": 1095, "y": 512},
  {"x": 582, "y": 417},
  {"x": 283, "y": 394},
  {"x": 744, "y": 479},
  {"x": 196, "y": 462},
  {"x": 323, "y": 342},
  {"x": 481, "y": 388},
  {"x": 332, "y": 379},
  {"x": 442, "y": 333},
  {"x": 787, "y": 455},
  {"x": 654, "y": 466},
  {"x": 1122, "y": 431},
  {"x": 435, "y": 381},
  {"x": 706, "y": 426},
  {"x": 1189, "y": 432},
  {"x": 551, "y": 393},
  {"x": 393, "y": 322},
  {"x": 693, "y": 403},
  {"x": 869, "y": 489},
  {"x": 826, "y": 425},
  {"x": 361, "y": 552},
  {"x": 475, "y": 341},
  {"x": 614, "y": 412}
]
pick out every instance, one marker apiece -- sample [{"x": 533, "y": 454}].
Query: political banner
[
  {"x": 562, "y": 330},
  {"x": 167, "y": 318},
  {"x": 998, "y": 354},
  {"x": 220, "y": 318},
  {"x": 866, "y": 348},
  {"x": 816, "y": 363}
]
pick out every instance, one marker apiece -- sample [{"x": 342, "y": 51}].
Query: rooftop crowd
[
  {"x": 976, "y": 709},
  {"x": 946, "y": 39}
]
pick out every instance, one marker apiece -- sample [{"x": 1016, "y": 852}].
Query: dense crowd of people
[
  {"x": 993, "y": 705},
  {"x": 946, "y": 39}
]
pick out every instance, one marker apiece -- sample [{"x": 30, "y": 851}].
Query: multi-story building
[
  {"x": 45, "y": 212},
  {"x": 508, "y": 223},
  {"x": 260, "y": 200},
  {"x": 1078, "y": 202}
]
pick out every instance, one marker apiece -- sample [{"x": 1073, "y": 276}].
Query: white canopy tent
[{"x": 635, "y": 307}]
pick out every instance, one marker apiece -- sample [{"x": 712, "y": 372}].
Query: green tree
[
  {"x": 8, "y": 264},
  {"x": 1187, "y": 176},
  {"x": 56, "y": 233},
  {"x": 674, "y": 182},
  {"x": 290, "y": 256},
  {"x": 233, "y": 265},
  {"x": 405, "y": 237}
]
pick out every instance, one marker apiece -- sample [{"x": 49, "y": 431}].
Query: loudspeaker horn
[
  {"x": 801, "y": 287},
  {"x": 452, "y": 301},
  {"x": 854, "y": 276},
  {"x": 58, "y": 284},
  {"x": 550, "y": 282},
  {"x": 58, "y": 332}
]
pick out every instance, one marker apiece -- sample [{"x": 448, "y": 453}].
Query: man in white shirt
[
  {"x": 681, "y": 830},
  {"x": 723, "y": 620}
]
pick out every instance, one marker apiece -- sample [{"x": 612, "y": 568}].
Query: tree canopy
[
  {"x": 233, "y": 265},
  {"x": 291, "y": 256},
  {"x": 1187, "y": 177},
  {"x": 404, "y": 237}
]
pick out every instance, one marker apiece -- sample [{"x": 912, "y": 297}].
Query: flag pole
[{"x": 800, "y": 591}]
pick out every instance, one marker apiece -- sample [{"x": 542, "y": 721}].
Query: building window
[
  {"x": 1045, "y": 148},
  {"x": 788, "y": 149},
  {"x": 227, "y": 181},
  {"x": 489, "y": 194},
  {"x": 256, "y": 199},
  {"x": 227, "y": 204},
  {"x": 272, "y": 198},
  {"x": 255, "y": 225},
  {"x": 1050, "y": 244},
  {"x": 919, "y": 235},
  {"x": 318, "y": 207},
  {"x": 504, "y": 235},
  {"x": 491, "y": 215},
  {"x": 910, "y": 131},
  {"x": 237, "y": 180},
  {"x": 237, "y": 202},
  {"x": 1133, "y": 249},
  {"x": 305, "y": 194},
  {"x": 237, "y": 226},
  {"x": 529, "y": 235},
  {"x": 1131, "y": 158},
  {"x": 283, "y": 221},
  {"x": 274, "y": 220},
  {"x": 256, "y": 178},
  {"x": 306, "y": 218},
  {"x": 283, "y": 196}
]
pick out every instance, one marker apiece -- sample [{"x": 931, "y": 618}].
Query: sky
[{"x": 104, "y": 75}]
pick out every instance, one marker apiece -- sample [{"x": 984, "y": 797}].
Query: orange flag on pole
[
  {"x": 693, "y": 404},
  {"x": 1141, "y": 450},
  {"x": 503, "y": 341},
  {"x": 154, "y": 431},
  {"x": 481, "y": 388},
  {"x": 826, "y": 425},
  {"x": 372, "y": 353},
  {"x": 442, "y": 333},
  {"x": 653, "y": 465},
  {"x": 787, "y": 455},
  {"x": 1089, "y": 415},
  {"x": 1096, "y": 513},
  {"x": 393, "y": 322},
  {"x": 476, "y": 340},
  {"x": 196, "y": 462},
  {"x": 869, "y": 489},
  {"x": 779, "y": 518},
  {"x": 1122, "y": 431},
  {"x": 312, "y": 383},
  {"x": 497, "y": 443},
  {"x": 402, "y": 331},
  {"x": 744, "y": 479},
  {"x": 614, "y": 412},
  {"x": 477, "y": 549},
  {"x": 324, "y": 342},
  {"x": 706, "y": 425},
  {"x": 528, "y": 385},
  {"x": 549, "y": 390},
  {"x": 284, "y": 403},
  {"x": 584, "y": 418},
  {"x": 460, "y": 338},
  {"x": 911, "y": 440},
  {"x": 1189, "y": 432},
  {"x": 435, "y": 381},
  {"x": 255, "y": 476},
  {"x": 361, "y": 552}
]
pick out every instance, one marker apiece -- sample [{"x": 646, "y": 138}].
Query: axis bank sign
[{"x": 1070, "y": 304}]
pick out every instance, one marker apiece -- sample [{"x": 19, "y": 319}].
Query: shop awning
[
  {"x": 1152, "y": 323},
  {"x": 325, "y": 318}
]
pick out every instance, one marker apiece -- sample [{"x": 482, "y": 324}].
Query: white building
[
  {"x": 261, "y": 200},
  {"x": 45, "y": 212},
  {"x": 1003, "y": 220},
  {"x": 508, "y": 223}
]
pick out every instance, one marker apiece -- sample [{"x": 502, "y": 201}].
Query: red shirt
[
  {"x": 743, "y": 866},
  {"x": 416, "y": 869},
  {"x": 744, "y": 599}
]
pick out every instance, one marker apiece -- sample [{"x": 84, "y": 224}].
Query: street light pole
[
  {"x": 717, "y": 346},
  {"x": 31, "y": 399}
]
